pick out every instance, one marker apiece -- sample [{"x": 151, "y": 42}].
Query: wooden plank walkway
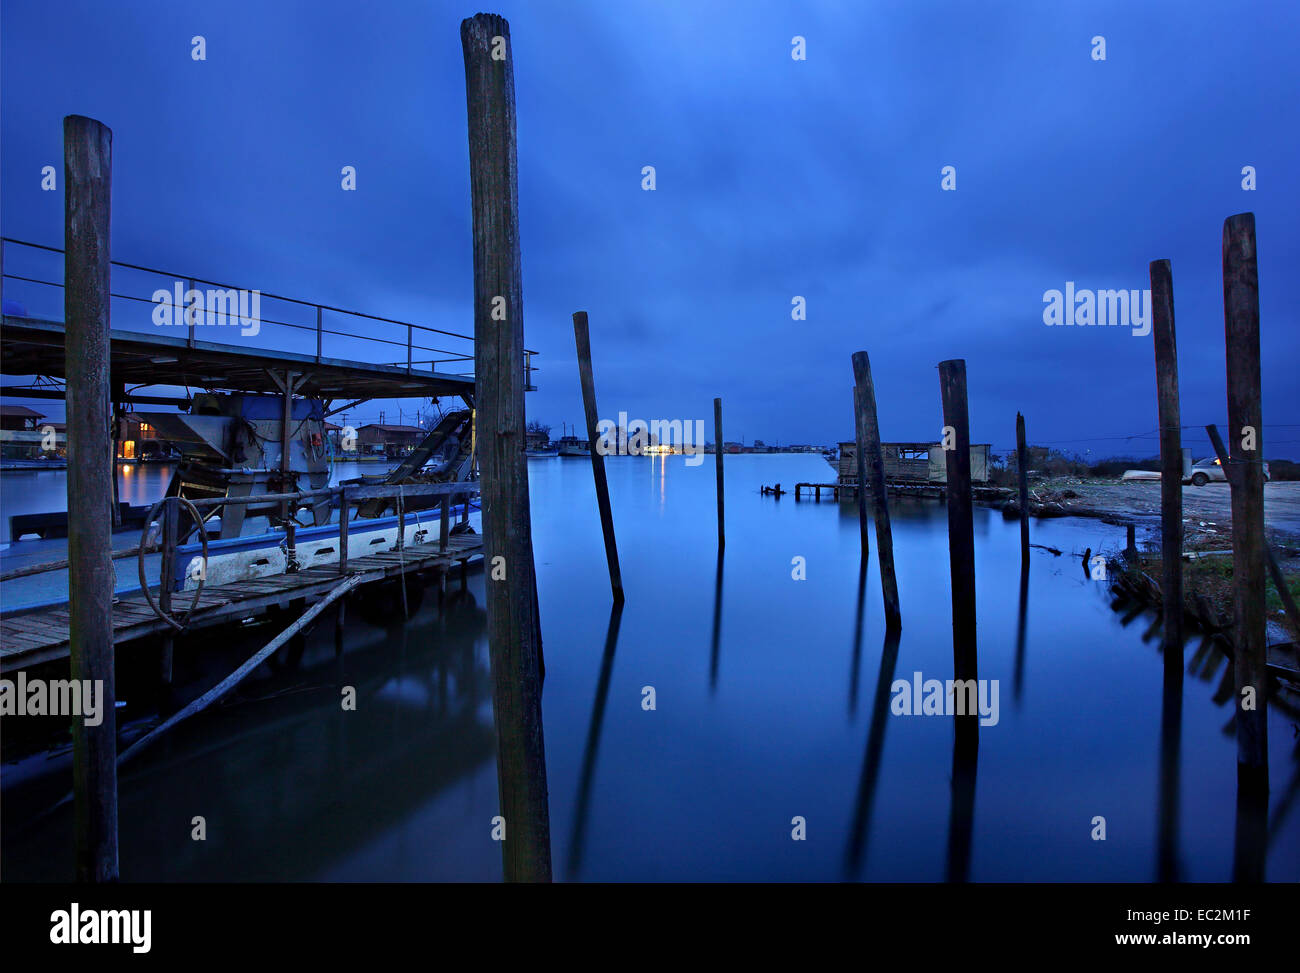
[{"x": 42, "y": 636}]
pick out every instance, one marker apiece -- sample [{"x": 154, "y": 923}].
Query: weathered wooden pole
[
  {"x": 512, "y": 617},
  {"x": 1022, "y": 464},
  {"x": 1246, "y": 426},
  {"x": 860, "y": 466},
  {"x": 1171, "y": 461},
  {"x": 717, "y": 454},
  {"x": 961, "y": 524},
  {"x": 874, "y": 461},
  {"x": 583, "y": 337},
  {"x": 87, "y": 174},
  {"x": 1270, "y": 560},
  {"x": 961, "y": 534}
]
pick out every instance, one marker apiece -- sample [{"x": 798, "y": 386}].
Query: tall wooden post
[
  {"x": 87, "y": 175},
  {"x": 1022, "y": 465},
  {"x": 583, "y": 337},
  {"x": 1246, "y": 431},
  {"x": 512, "y": 618},
  {"x": 871, "y": 456},
  {"x": 1171, "y": 461},
  {"x": 860, "y": 465},
  {"x": 961, "y": 524},
  {"x": 717, "y": 442}
]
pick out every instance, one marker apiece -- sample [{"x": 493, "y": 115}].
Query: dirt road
[{"x": 1206, "y": 509}]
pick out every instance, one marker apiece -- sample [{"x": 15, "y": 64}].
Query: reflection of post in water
[
  {"x": 593, "y": 742},
  {"x": 717, "y": 624},
  {"x": 961, "y": 814},
  {"x": 871, "y": 761},
  {"x": 857, "y": 635},
  {"x": 1171, "y": 734},
  {"x": 1019, "y": 680},
  {"x": 1251, "y": 840}
]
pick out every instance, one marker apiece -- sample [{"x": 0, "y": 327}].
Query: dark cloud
[{"x": 775, "y": 178}]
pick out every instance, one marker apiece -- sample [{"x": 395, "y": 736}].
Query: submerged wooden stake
[
  {"x": 582, "y": 336},
  {"x": 513, "y": 628},
  {"x": 1246, "y": 427},
  {"x": 88, "y": 170},
  {"x": 872, "y": 458},
  {"x": 1171, "y": 461}
]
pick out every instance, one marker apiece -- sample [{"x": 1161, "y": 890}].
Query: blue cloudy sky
[{"x": 776, "y": 178}]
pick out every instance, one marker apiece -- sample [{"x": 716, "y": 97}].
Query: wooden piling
[
  {"x": 512, "y": 622},
  {"x": 1245, "y": 422},
  {"x": 860, "y": 465},
  {"x": 717, "y": 441},
  {"x": 344, "y": 527},
  {"x": 1171, "y": 461},
  {"x": 1270, "y": 560},
  {"x": 167, "y": 574},
  {"x": 582, "y": 336},
  {"x": 87, "y": 166},
  {"x": 872, "y": 458},
  {"x": 1022, "y": 464},
  {"x": 961, "y": 524}
]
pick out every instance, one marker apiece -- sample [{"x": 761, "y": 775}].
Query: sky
[{"x": 775, "y": 178}]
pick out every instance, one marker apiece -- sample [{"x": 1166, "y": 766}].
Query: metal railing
[{"x": 211, "y": 317}]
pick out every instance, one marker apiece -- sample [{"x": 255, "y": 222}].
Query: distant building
[
  {"x": 24, "y": 436},
  {"x": 391, "y": 440},
  {"x": 138, "y": 440},
  {"x": 17, "y": 418},
  {"x": 912, "y": 463},
  {"x": 333, "y": 434}
]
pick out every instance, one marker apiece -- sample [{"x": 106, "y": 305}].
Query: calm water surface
[{"x": 772, "y": 703}]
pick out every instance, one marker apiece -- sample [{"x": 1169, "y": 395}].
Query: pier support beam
[
  {"x": 1246, "y": 432},
  {"x": 514, "y": 634},
  {"x": 1171, "y": 462},
  {"x": 871, "y": 458},
  {"x": 87, "y": 162},
  {"x": 961, "y": 530},
  {"x": 582, "y": 336}
]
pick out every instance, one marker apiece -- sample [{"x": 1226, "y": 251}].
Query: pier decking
[{"x": 42, "y": 635}]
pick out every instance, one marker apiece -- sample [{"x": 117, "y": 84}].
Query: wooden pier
[
  {"x": 921, "y": 491},
  {"x": 42, "y": 635}
]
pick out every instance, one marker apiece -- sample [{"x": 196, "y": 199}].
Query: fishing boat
[
  {"x": 573, "y": 446},
  {"x": 549, "y": 451}
]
